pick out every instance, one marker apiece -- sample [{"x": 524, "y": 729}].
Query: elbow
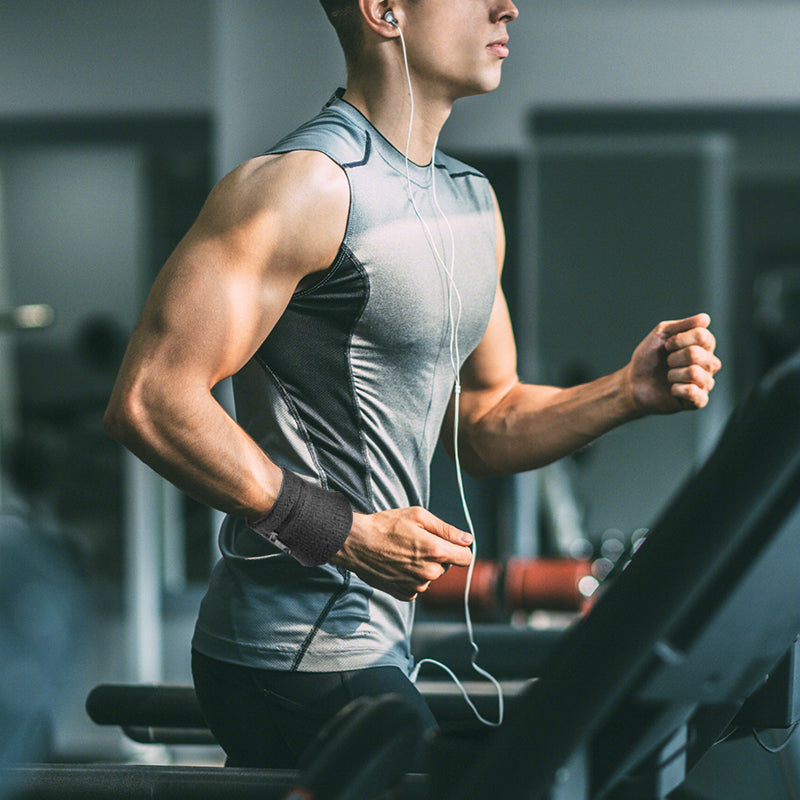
[
  {"x": 125, "y": 417},
  {"x": 474, "y": 455},
  {"x": 477, "y": 467}
]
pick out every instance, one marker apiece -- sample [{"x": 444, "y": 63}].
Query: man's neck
[{"x": 386, "y": 104}]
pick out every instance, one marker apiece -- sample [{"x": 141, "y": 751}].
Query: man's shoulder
[
  {"x": 297, "y": 166},
  {"x": 279, "y": 192},
  {"x": 330, "y": 133}
]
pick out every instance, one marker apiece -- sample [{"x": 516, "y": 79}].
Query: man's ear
[{"x": 374, "y": 14}]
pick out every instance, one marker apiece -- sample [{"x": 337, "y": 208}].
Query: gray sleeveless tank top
[{"x": 349, "y": 390}]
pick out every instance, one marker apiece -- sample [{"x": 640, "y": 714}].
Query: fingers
[
  {"x": 442, "y": 546},
  {"x": 401, "y": 551},
  {"x": 691, "y": 359},
  {"x": 695, "y": 337},
  {"x": 434, "y": 525},
  {"x": 673, "y": 327},
  {"x": 694, "y": 374},
  {"x": 690, "y": 395},
  {"x": 691, "y": 376},
  {"x": 688, "y": 364},
  {"x": 689, "y": 342},
  {"x": 447, "y": 545}
]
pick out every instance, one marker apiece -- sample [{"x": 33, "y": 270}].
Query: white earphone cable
[{"x": 455, "y": 361}]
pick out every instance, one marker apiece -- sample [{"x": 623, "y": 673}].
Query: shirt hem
[{"x": 249, "y": 655}]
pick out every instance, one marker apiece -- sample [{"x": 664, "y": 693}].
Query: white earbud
[{"x": 390, "y": 18}]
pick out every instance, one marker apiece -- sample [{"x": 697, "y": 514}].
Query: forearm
[
  {"x": 187, "y": 437},
  {"x": 532, "y": 426}
]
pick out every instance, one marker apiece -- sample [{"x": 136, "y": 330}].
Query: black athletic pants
[{"x": 264, "y": 718}]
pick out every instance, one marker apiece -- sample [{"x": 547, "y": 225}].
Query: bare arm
[
  {"x": 267, "y": 227},
  {"x": 508, "y": 426},
  {"x": 213, "y": 303}
]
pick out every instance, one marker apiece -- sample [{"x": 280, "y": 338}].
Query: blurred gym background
[{"x": 646, "y": 154}]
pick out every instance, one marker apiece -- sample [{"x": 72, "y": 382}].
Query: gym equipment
[
  {"x": 665, "y": 672},
  {"x": 551, "y": 584},
  {"x": 363, "y": 751},
  {"x": 158, "y": 714}
]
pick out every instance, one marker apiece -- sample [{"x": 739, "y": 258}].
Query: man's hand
[
  {"x": 402, "y": 550},
  {"x": 673, "y": 369}
]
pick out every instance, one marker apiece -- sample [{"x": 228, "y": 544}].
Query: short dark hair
[{"x": 344, "y": 15}]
